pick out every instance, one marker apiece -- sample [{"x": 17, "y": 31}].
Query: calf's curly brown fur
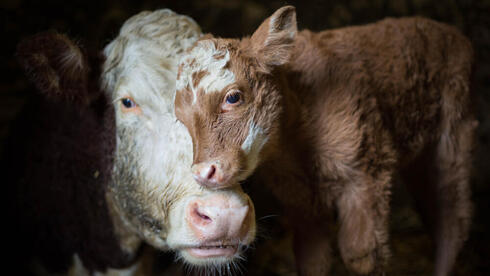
[{"x": 339, "y": 114}]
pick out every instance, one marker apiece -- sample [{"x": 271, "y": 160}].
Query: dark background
[{"x": 95, "y": 23}]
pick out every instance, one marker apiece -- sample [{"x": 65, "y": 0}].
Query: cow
[
  {"x": 99, "y": 162},
  {"x": 328, "y": 120}
]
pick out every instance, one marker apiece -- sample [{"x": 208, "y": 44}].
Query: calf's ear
[
  {"x": 56, "y": 65},
  {"x": 273, "y": 41}
]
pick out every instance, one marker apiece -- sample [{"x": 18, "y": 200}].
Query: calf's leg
[
  {"x": 363, "y": 214},
  {"x": 438, "y": 179},
  {"x": 454, "y": 207}
]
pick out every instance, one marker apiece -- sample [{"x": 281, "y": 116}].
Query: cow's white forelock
[
  {"x": 204, "y": 57},
  {"x": 162, "y": 35}
]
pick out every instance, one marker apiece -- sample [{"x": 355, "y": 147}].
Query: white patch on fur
[
  {"x": 202, "y": 58},
  {"x": 161, "y": 35},
  {"x": 253, "y": 144}
]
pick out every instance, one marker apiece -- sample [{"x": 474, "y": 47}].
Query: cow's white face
[{"x": 152, "y": 189}]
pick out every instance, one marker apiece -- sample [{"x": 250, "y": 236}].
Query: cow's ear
[
  {"x": 56, "y": 65},
  {"x": 273, "y": 41}
]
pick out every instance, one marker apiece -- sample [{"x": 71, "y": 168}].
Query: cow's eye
[{"x": 128, "y": 103}]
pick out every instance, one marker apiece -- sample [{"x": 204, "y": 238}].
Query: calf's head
[
  {"x": 229, "y": 99},
  {"x": 152, "y": 188}
]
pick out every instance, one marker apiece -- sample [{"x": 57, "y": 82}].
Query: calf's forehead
[{"x": 206, "y": 68}]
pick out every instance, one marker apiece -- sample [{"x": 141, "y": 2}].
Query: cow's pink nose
[
  {"x": 218, "y": 218},
  {"x": 209, "y": 174}
]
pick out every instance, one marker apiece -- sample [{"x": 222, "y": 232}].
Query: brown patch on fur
[
  {"x": 345, "y": 111},
  {"x": 220, "y": 55},
  {"x": 192, "y": 62},
  {"x": 197, "y": 77},
  {"x": 179, "y": 72}
]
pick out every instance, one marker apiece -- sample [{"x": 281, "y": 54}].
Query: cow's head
[
  {"x": 229, "y": 99},
  {"x": 152, "y": 188}
]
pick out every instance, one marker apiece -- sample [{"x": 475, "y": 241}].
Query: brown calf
[{"x": 327, "y": 120}]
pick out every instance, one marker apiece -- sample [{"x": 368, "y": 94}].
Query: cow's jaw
[{"x": 216, "y": 229}]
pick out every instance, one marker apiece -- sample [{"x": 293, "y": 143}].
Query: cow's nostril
[
  {"x": 201, "y": 215},
  {"x": 219, "y": 218}
]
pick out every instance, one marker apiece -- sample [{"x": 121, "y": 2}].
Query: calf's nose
[
  {"x": 217, "y": 219},
  {"x": 209, "y": 174}
]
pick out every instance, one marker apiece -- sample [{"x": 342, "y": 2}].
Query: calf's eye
[{"x": 233, "y": 98}]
